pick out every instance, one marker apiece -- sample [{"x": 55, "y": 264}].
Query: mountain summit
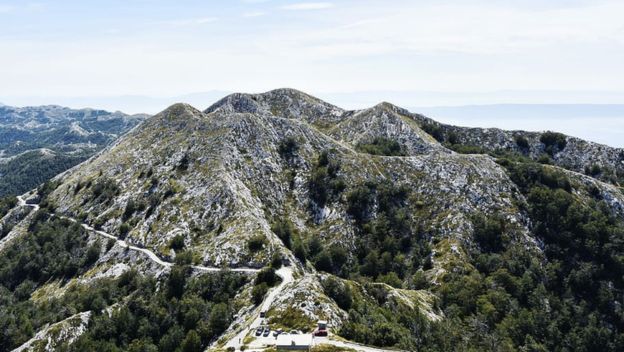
[{"x": 399, "y": 231}]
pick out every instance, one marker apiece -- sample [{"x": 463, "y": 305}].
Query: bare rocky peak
[
  {"x": 286, "y": 103},
  {"x": 222, "y": 177}
]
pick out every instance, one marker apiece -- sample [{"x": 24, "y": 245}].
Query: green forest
[
  {"x": 26, "y": 171},
  {"x": 568, "y": 298},
  {"x": 177, "y": 312}
]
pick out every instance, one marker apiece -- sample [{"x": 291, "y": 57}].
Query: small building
[
  {"x": 292, "y": 342},
  {"x": 322, "y": 325},
  {"x": 321, "y": 329}
]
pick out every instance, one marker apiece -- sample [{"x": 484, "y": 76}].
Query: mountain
[
  {"x": 37, "y": 143},
  {"x": 197, "y": 227},
  {"x": 596, "y": 122}
]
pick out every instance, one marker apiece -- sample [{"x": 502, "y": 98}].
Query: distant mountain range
[
  {"x": 603, "y": 123},
  {"x": 37, "y": 143}
]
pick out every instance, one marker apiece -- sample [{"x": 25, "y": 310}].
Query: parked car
[
  {"x": 259, "y": 331},
  {"x": 263, "y": 314},
  {"x": 267, "y": 331},
  {"x": 320, "y": 333}
]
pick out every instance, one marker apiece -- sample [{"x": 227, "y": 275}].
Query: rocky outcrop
[{"x": 218, "y": 179}]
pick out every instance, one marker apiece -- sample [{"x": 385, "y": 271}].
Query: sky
[{"x": 139, "y": 55}]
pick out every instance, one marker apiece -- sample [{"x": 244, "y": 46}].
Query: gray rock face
[
  {"x": 577, "y": 155},
  {"x": 221, "y": 177},
  {"x": 217, "y": 177}
]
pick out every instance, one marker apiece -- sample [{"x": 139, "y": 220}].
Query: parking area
[{"x": 263, "y": 336}]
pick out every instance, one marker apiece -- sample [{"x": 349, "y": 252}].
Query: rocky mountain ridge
[{"x": 375, "y": 209}]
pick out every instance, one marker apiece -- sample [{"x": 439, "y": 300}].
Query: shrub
[
  {"x": 452, "y": 137},
  {"x": 488, "y": 232},
  {"x": 110, "y": 243},
  {"x": 467, "y": 149},
  {"x": 104, "y": 190},
  {"x": 323, "y": 262},
  {"x": 419, "y": 281},
  {"x": 123, "y": 230},
  {"x": 184, "y": 258},
  {"x": 521, "y": 142},
  {"x": 184, "y": 163},
  {"x": 391, "y": 279},
  {"x": 191, "y": 342},
  {"x": 300, "y": 251},
  {"x": 6, "y": 204},
  {"x": 554, "y": 142},
  {"x": 258, "y": 292},
  {"x": 339, "y": 257},
  {"x": 339, "y": 292},
  {"x": 177, "y": 242},
  {"x": 268, "y": 276},
  {"x": 285, "y": 230},
  {"x": 325, "y": 184},
  {"x": 544, "y": 159},
  {"x": 433, "y": 129},
  {"x": 314, "y": 246},
  {"x": 594, "y": 170},
  {"x": 382, "y": 146},
  {"x": 276, "y": 261},
  {"x": 288, "y": 148},
  {"x": 131, "y": 207},
  {"x": 93, "y": 253},
  {"x": 359, "y": 202},
  {"x": 177, "y": 281},
  {"x": 256, "y": 243}
]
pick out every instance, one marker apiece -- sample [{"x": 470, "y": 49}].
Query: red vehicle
[
  {"x": 320, "y": 333},
  {"x": 321, "y": 329}
]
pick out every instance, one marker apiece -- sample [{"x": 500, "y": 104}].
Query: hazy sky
[{"x": 171, "y": 48}]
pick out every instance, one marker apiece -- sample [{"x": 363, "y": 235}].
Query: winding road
[
  {"x": 236, "y": 342},
  {"x": 153, "y": 257},
  {"x": 286, "y": 273}
]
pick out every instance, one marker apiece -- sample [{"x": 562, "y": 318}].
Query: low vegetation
[
  {"x": 325, "y": 183},
  {"x": 288, "y": 148},
  {"x": 554, "y": 142},
  {"x": 6, "y": 204},
  {"x": 382, "y": 146}
]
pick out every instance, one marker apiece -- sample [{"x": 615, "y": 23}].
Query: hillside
[
  {"x": 400, "y": 232},
  {"x": 36, "y": 143}
]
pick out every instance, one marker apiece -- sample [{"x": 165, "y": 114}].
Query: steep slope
[
  {"x": 419, "y": 134},
  {"x": 394, "y": 238},
  {"x": 286, "y": 103},
  {"x": 600, "y": 161}
]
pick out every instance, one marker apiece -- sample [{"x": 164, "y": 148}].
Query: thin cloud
[
  {"x": 192, "y": 21},
  {"x": 35, "y": 7},
  {"x": 362, "y": 23},
  {"x": 30, "y": 7},
  {"x": 304, "y": 6},
  {"x": 254, "y": 14}
]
